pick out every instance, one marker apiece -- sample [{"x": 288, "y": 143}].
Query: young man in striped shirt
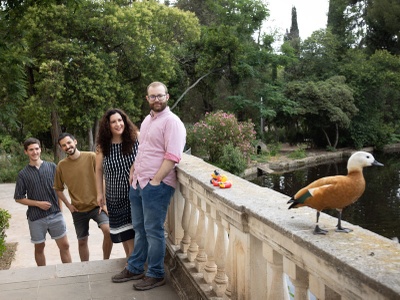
[{"x": 34, "y": 188}]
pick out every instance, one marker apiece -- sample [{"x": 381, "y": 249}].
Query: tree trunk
[
  {"x": 336, "y": 136},
  {"x": 96, "y": 132},
  {"x": 55, "y": 132},
  {"x": 327, "y": 138},
  {"x": 90, "y": 138}
]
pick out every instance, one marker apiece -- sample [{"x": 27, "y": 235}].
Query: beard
[
  {"x": 71, "y": 153},
  {"x": 158, "y": 107}
]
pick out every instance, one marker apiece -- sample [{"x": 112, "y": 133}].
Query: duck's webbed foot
[
  {"x": 339, "y": 224},
  {"x": 341, "y": 229},
  {"x": 318, "y": 230}
]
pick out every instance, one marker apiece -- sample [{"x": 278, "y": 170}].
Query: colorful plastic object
[{"x": 220, "y": 180}]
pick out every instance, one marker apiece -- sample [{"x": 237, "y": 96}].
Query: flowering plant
[{"x": 209, "y": 136}]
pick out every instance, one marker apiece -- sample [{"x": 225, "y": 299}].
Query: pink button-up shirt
[{"x": 162, "y": 136}]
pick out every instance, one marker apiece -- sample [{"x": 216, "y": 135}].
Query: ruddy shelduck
[{"x": 336, "y": 192}]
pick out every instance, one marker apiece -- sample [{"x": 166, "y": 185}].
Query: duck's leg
[
  {"x": 339, "y": 224},
  {"x": 318, "y": 230}
]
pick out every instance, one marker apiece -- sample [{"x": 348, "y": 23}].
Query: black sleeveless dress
[{"x": 116, "y": 168}]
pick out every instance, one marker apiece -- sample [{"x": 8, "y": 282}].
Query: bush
[
  {"x": 274, "y": 149},
  {"x": 299, "y": 153},
  {"x": 12, "y": 159},
  {"x": 232, "y": 160},
  {"x": 4, "y": 224},
  {"x": 207, "y": 138}
]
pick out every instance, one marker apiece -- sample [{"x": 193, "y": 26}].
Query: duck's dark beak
[{"x": 377, "y": 163}]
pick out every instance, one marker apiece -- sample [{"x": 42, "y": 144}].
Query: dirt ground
[{"x": 8, "y": 256}]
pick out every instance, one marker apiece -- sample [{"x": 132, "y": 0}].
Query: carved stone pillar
[
  {"x": 275, "y": 287},
  {"x": 201, "y": 257},
  {"x": 185, "y": 242},
  {"x": 228, "y": 268},
  {"x": 299, "y": 278},
  {"x": 210, "y": 268},
  {"x": 193, "y": 248},
  {"x": 221, "y": 246}
]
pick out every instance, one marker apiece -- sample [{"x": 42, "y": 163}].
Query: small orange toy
[
  {"x": 220, "y": 180},
  {"x": 225, "y": 185}
]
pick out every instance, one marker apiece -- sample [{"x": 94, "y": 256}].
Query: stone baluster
[
  {"x": 320, "y": 290},
  {"x": 299, "y": 278},
  {"x": 201, "y": 257},
  {"x": 193, "y": 248},
  {"x": 275, "y": 287},
  {"x": 185, "y": 242},
  {"x": 210, "y": 268},
  {"x": 229, "y": 272},
  {"x": 174, "y": 217},
  {"x": 221, "y": 247}
]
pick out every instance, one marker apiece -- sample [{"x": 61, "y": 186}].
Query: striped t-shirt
[{"x": 37, "y": 184}]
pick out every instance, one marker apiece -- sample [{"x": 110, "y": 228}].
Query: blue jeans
[{"x": 149, "y": 210}]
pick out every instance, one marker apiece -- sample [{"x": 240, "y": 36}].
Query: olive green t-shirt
[{"x": 79, "y": 176}]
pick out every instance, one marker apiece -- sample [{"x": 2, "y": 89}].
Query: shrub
[
  {"x": 4, "y": 224},
  {"x": 12, "y": 159},
  {"x": 208, "y": 137},
  {"x": 274, "y": 149},
  {"x": 299, "y": 153},
  {"x": 232, "y": 160}
]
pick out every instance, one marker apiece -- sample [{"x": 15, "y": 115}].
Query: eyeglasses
[{"x": 159, "y": 97}]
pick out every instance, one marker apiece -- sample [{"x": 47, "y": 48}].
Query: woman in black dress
[{"x": 116, "y": 150}]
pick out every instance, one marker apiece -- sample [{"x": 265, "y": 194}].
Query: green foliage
[
  {"x": 274, "y": 149},
  {"x": 383, "y": 20},
  {"x": 4, "y": 224},
  {"x": 88, "y": 57},
  {"x": 319, "y": 58},
  {"x": 209, "y": 136},
  {"x": 325, "y": 105},
  {"x": 299, "y": 153},
  {"x": 375, "y": 81},
  {"x": 69, "y": 61},
  {"x": 12, "y": 159},
  {"x": 232, "y": 160}
]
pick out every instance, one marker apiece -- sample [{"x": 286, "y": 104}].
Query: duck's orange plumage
[{"x": 336, "y": 192}]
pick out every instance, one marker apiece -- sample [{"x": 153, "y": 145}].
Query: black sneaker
[
  {"x": 148, "y": 283},
  {"x": 126, "y": 275}
]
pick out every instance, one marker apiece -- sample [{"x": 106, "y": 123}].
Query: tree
[
  {"x": 325, "y": 106},
  {"x": 293, "y": 37},
  {"x": 375, "y": 82},
  {"x": 383, "y": 19},
  {"x": 228, "y": 53},
  {"x": 105, "y": 56},
  {"x": 320, "y": 58}
]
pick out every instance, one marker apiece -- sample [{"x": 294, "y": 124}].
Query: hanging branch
[{"x": 189, "y": 88}]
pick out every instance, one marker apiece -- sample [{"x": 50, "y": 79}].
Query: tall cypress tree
[{"x": 293, "y": 37}]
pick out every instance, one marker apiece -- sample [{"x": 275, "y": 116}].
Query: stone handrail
[{"x": 243, "y": 243}]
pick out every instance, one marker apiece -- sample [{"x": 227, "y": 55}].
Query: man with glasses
[{"x": 161, "y": 142}]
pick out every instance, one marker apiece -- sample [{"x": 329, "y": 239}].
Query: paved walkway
[{"x": 76, "y": 281}]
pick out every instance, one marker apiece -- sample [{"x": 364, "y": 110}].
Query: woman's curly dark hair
[{"x": 104, "y": 136}]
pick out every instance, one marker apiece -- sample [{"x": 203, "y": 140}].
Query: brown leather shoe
[
  {"x": 148, "y": 283},
  {"x": 126, "y": 275}
]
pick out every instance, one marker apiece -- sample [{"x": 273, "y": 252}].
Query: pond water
[{"x": 377, "y": 210}]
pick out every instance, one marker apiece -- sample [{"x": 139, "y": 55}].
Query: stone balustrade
[{"x": 244, "y": 243}]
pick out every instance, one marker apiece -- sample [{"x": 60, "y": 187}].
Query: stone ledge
[{"x": 313, "y": 158}]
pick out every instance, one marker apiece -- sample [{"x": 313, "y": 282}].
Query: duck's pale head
[{"x": 361, "y": 159}]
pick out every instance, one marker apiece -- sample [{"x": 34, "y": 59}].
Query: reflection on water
[{"x": 377, "y": 210}]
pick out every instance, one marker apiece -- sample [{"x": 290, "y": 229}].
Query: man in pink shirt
[{"x": 161, "y": 142}]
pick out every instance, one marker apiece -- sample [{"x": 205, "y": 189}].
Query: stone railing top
[{"x": 365, "y": 255}]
